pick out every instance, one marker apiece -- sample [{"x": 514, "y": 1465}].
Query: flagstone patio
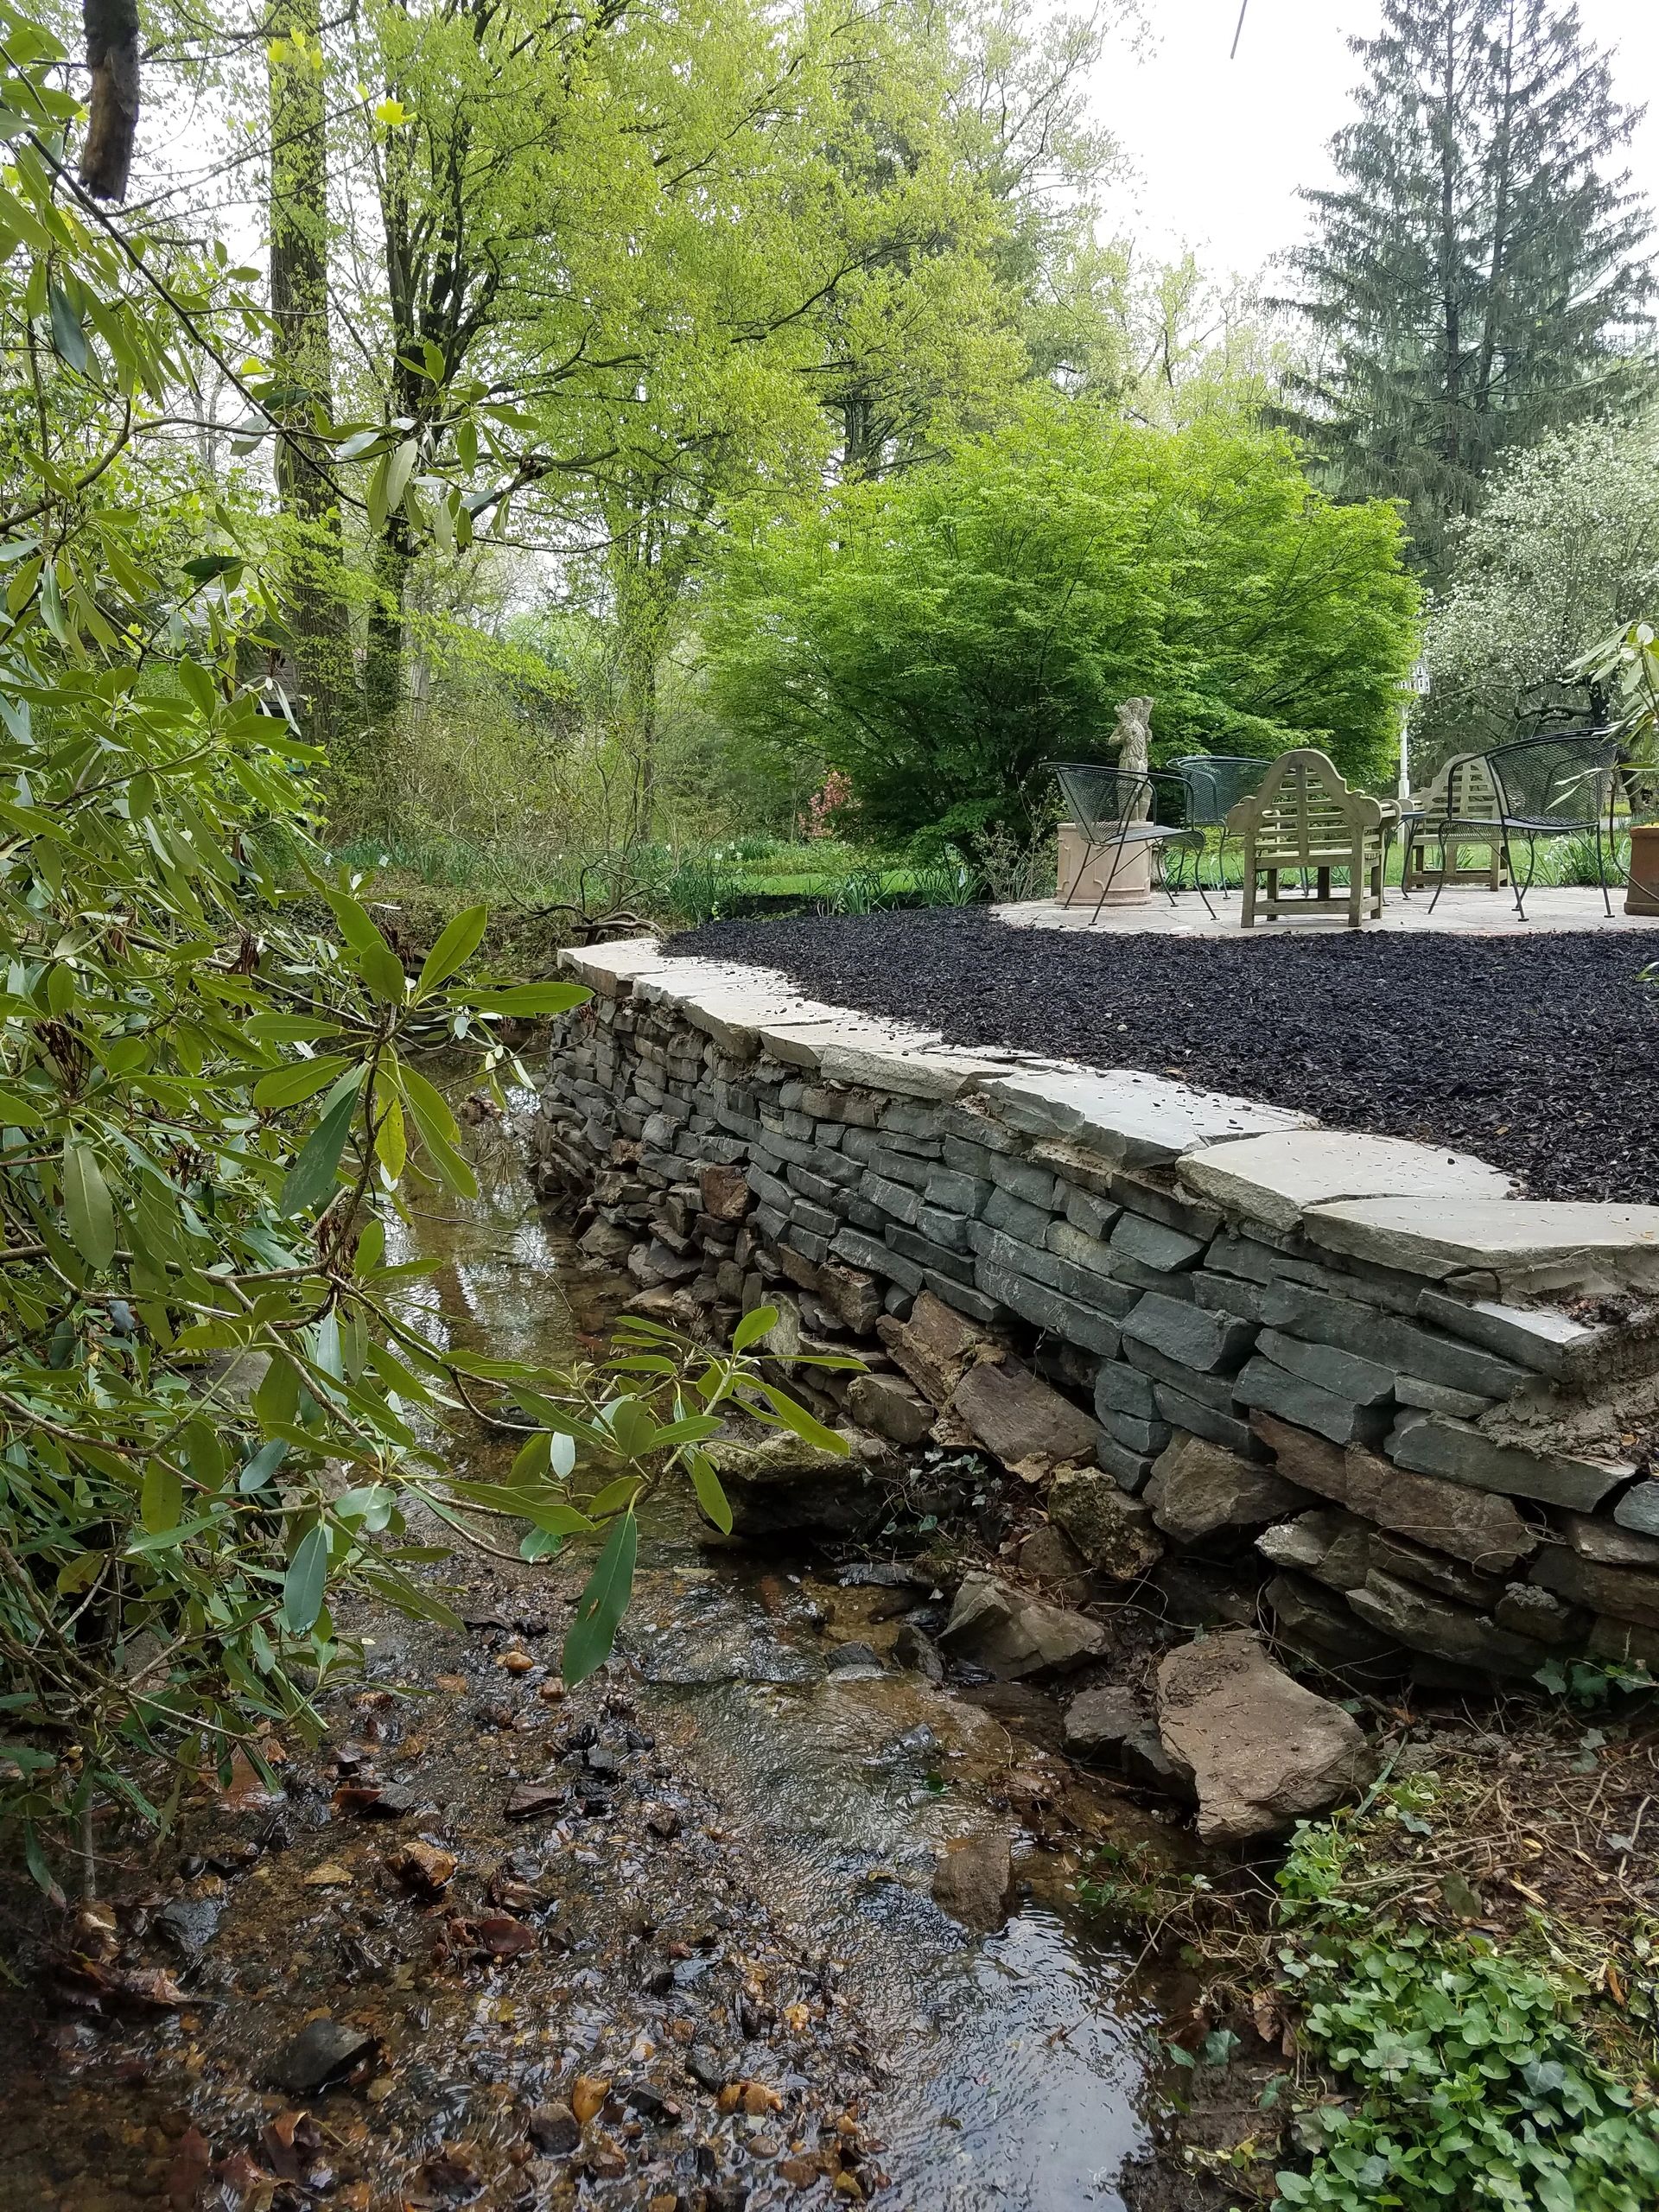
[{"x": 1461, "y": 912}]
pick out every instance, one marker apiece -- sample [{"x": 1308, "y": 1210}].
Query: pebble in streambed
[{"x": 592, "y": 1999}]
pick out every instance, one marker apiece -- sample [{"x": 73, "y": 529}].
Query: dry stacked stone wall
[{"x": 1416, "y": 1406}]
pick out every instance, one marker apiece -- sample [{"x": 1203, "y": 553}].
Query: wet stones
[
  {"x": 536, "y": 1800},
  {"x": 972, "y": 1881},
  {"x": 913, "y": 1648},
  {"x": 1013, "y": 1634},
  {"x": 554, "y": 2130},
  {"x": 1099, "y": 1722},
  {"x": 324, "y": 2052},
  {"x": 1260, "y": 1751},
  {"x": 779, "y": 1485},
  {"x": 422, "y": 1867}
]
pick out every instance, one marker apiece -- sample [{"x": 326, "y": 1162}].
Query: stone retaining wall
[{"x": 1212, "y": 1331}]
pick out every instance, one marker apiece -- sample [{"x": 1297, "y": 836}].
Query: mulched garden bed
[{"x": 1539, "y": 1053}]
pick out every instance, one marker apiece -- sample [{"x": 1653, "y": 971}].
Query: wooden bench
[
  {"x": 1462, "y": 793},
  {"x": 1305, "y": 819}
]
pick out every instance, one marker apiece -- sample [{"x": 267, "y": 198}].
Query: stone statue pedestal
[{"x": 1082, "y": 873}]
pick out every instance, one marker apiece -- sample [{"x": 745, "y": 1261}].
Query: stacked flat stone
[{"x": 1384, "y": 1326}]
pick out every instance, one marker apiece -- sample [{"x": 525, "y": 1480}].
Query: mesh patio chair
[
  {"x": 1215, "y": 783},
  {"x": 1305, "y": 818},
  {"x": 1564, "y": 785},
  {"x": 1462, "y": 792},
  {"x": 1116, "y": 812}
]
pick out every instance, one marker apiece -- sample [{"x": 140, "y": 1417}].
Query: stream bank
[{"x": 668, "y": 1940}]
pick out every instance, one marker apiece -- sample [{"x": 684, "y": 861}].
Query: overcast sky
[{"x": 1220, "y": 147}]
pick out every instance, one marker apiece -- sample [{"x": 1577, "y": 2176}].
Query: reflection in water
[{"x": 1010, "y": 2064}]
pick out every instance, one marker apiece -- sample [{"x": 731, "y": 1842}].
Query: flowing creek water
[{"x": 734, "y": 1889}]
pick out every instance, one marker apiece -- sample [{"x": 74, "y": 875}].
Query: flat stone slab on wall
[{"x": 1382, "y": 1323}]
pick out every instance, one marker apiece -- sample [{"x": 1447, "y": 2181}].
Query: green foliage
[
  {"x": 1468, "y": 2076},
  {"x": 1480, "y": 273},
  {"x": 1563, "y": 551},
  {"x": 214, "y": 1410},
  {"x": 939, "y": 637}
]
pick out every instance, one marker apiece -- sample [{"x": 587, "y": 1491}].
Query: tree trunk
[
  {"x": 1502, "y": 165},
  {"x": 302, "y": 365},
  {"x": 382, "y": 662},
  {"x": 1451, "y": 335}
]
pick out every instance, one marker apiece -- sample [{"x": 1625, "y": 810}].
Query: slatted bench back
[{"x": 1304, "y": 815}]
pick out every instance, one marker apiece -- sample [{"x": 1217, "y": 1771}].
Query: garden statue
[{"x": 1131, "y": 742}]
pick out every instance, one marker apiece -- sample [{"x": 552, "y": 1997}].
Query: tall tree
[
  {"x": 302, "y": 396},
  {"x": 1477, "y": 276}
]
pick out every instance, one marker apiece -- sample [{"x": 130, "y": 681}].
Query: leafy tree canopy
[
  {"x": 1480, "y": 272},
  {"x": 1564, "y": 550},
  {"x": 215, "y": 1411},
  {"x": 941, "y": 636}
]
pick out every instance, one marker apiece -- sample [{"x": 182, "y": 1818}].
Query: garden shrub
[{"x": 938, "y": 636}]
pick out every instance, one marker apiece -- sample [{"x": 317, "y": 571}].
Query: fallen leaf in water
[
  {"x": 456, "y": 1684},
  {"x": 503, "y": 1937},
  {"x": 759, "y": 2100},
  {"x": 331, "y": 1875},
  {"x": 423, "y": 1866},
  {"x": 188, "y": 2169},
  {"x": 95, "y": 1931},
  {"x": 291, "y": 2142},
  {"x": 152, "y": 1986},
  {"x": 247, "y": 1791},
  {"x": 532, "y": 1797},
  {"x": 374, "y": 1801},
  {"x": 587, "y": 2095},
  {"x": 243, "y": 2180},
  {"x": 454, "y": 2171}
]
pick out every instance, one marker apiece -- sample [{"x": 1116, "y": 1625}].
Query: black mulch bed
[{"x": 1538, "y": 1053}]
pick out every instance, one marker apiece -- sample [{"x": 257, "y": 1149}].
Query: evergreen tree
[{"x": 1480, "y": 274}]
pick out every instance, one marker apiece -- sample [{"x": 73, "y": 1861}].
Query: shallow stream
[{"x": 742, "y": 1894}]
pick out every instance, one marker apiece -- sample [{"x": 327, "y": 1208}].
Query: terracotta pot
[{"x": 1643, "y": 895}]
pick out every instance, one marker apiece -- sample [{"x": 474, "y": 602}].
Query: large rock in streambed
[
  {"x": 1260, "y": 1752},
  {"x": 779, "y": 1486},
  {"x": 1013, "y": 1634},
  {"x": 972, "y": 1881}
]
